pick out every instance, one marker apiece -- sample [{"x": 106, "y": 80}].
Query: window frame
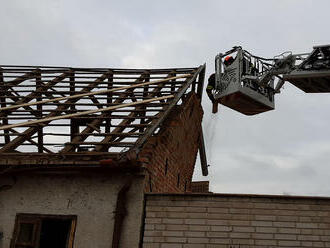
[{"x": 36, "y": 220}]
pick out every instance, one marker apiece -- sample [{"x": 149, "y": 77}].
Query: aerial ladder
[{"x": 248, "y": 83}]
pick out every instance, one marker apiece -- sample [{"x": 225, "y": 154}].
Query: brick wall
[
  {"x": 200, "y": 187},
  {"x": 170, "y": 155},
  {"x": 236, "y": 221}
]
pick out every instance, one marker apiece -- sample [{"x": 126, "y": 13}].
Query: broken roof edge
[{"x": 42, "y": 164}]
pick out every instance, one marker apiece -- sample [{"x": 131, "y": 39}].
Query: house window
[{"x": 44, "y": 231}]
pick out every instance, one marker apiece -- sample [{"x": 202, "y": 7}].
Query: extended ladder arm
[{"x": 246, "y": 84}]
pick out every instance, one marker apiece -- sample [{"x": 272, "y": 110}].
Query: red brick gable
[{"x": 170, "y": 155}]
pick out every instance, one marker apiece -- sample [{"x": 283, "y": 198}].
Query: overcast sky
[{"x": 285, "y": 151}]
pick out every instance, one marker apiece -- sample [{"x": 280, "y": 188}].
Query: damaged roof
[{"x": 66, "y": 115}]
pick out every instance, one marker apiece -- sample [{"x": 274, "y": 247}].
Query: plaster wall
[{"x": 91, "y": 197}]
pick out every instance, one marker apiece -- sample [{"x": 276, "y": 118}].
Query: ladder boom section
[{"x": 313, "y": 74}]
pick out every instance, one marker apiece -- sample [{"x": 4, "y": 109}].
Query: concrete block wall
[
  {"x": 235, "y": 221},
  {"x": 170, "y": 155}
]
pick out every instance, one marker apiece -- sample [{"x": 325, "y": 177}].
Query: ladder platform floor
[{"x": 244, "y": 104}]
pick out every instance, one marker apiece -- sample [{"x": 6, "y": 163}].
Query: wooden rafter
[
  {"x": 61, "y": 107},
  {"x": 59, "y": 117},
  {"x": 97, "y": 122},
  {"x": 89, "y": 94},
  {"x": 66, "y": 110},
  {"x": 188, "y": 82},
  {"x": 104, "y": 144},
  {"x": 23, "y": 101}
]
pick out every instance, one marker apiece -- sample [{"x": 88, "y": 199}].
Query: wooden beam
[
  {"x": 202, "y": 153},
  {"x": 119, "y": 134},
  {"x": 74, "y": 128},
  {"x": 91, "y": 93},
  {"x": 39, "y": 113},
  {"x": 105, "y": 146},
  {"x": 98, "y": 122},
  {"x": 3, "y": 105},
  {"x": 60, "y": 107},
  {"x": 117, "y": 137},
  {"x": 116, "y": 144},
  {"x": 83, "y": 113},
  {"x": 19, "y": 79},
  {"x": 201, "y": 78},
  {"x": 173, "y": 81},
  {"x": 31, "y": 141},
  {"x": 82, "y": 70},
  {"x": 168, "y": 109},
  {"x": 32, "y": 95},
  {"x": 109, "y": 100},
  {"x": 145, "y": 94},
  {"x": 16, "y": 98}
]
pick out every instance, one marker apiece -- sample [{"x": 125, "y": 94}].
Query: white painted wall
[{"x": 91, "y": 197}]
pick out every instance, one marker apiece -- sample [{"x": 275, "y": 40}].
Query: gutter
[{"x": 120, "y": 213}]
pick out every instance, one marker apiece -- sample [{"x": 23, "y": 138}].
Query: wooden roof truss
[{"x": 47, "y": 110}]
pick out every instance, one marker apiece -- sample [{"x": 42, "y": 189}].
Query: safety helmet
[{"x": 228, "y": 60}]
